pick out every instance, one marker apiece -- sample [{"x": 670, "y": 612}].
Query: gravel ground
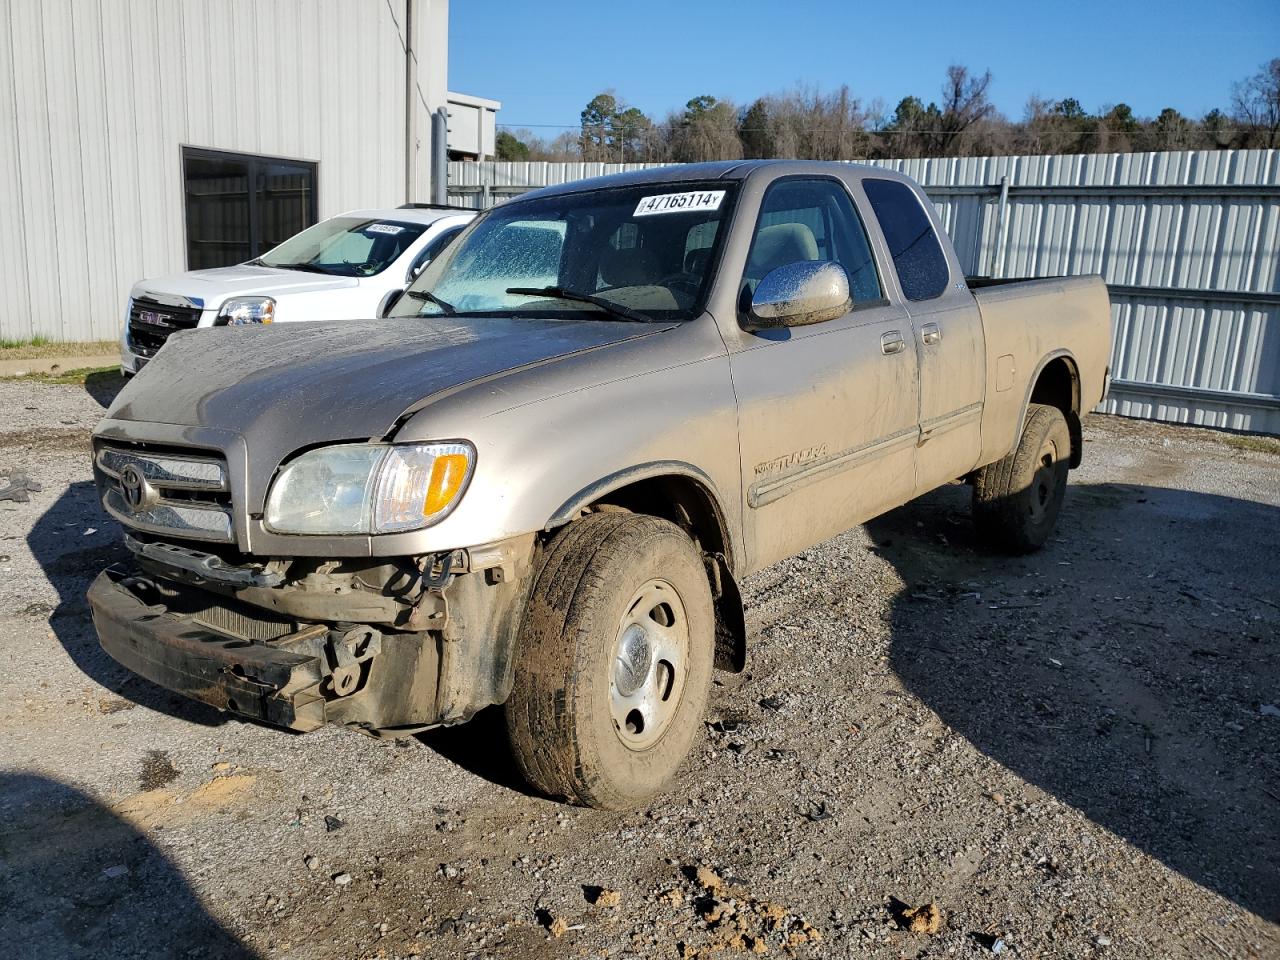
[{"x": 1075, "y": 754}]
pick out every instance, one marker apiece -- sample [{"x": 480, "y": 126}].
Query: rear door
[
  {"x": 827, "y": 413},
  {"x": 948, "y": 329}
]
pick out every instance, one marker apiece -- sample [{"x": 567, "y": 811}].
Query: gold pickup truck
[{"x": 539, "y": 480}]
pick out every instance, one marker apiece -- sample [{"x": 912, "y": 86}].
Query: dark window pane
[
  {"x": 917, "y": 255},
  {"x": 217, "y": 193},
  {"x": 812, "y": 220},
  {"x": 239, "y": 205},
  {"x": 284, "y": 201}
]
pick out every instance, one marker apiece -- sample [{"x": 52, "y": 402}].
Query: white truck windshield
[{"x": 345, "y": 247}]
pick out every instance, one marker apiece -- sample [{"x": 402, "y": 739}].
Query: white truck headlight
[
  {"x": 240, "y": 311},
  {"x": 367, "y": 488}
]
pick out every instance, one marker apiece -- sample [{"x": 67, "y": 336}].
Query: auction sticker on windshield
[
  {"x": 679, "y": 202},
  {"x": 388, "y": 228}
]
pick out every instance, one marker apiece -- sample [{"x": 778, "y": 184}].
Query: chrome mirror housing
[{"x": 809, "y": 291}]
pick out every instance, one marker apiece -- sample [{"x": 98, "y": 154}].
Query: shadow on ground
[
  {"x": 1122, "y": 669},
  {"x": 104, "y": 385},
  {"x": 80, "y": 882},
  {"x": 480, "y": 746},
  {"x": 71, "y": 558}
]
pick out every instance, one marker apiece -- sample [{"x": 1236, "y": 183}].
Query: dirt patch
[
  {"x": 45, "y": 440},
  {"x": 156, "y": 771},
  {"x": 162, "y": 807}
]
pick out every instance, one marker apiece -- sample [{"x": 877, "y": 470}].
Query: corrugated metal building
[
  {"x": 139, "y": 137},
  {"x": 1189, "y": 243}
]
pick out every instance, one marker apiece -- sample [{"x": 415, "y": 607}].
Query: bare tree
[
  {"x": 1255, "y": 101},
  {"x": 964, "y": 103}
]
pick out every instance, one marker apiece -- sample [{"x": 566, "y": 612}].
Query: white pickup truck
[{"x": 349, "y": 267}]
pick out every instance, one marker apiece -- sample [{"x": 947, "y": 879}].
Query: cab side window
[
  {"x": 917, "y": 255},
  {"x": 812, "y": 220}
]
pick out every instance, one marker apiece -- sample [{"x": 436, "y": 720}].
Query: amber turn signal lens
[{"x": 447, "y": 476}]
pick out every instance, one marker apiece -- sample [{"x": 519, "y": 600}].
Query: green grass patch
[
  {"x": 40, "y": 348},
  {"x": 6, "y": 344},
  {"x": 78, "y": 376},
  {"x": 1254, "y": 443}
]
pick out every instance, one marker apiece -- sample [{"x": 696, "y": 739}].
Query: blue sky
[{"x": 544, "y": 61}]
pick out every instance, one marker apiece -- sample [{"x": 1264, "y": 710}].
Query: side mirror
[
  {"x": 809, "y": 291},
  {"x": 392, "y": 299}
]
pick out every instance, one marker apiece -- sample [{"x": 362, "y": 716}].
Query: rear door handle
[
  {"x": 892, "y": 342},
  {"x": 930, "y": 333}
]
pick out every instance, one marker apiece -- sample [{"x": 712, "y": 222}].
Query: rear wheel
[
  {"x": 1016, "y": 500},
  {"x": 614, "y": 661}
]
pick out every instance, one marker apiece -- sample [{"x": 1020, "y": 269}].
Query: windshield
[
  {"x": 345, "y": 246},
  {"x": 643, "y": 252}
]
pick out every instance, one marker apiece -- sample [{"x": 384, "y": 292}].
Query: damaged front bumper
[
  {"x": 278, "y": 683},
  {"x": 357, "y": 647}
]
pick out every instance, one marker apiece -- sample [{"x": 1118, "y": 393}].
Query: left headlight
[
  {"x": 239, "y": 311},
  {"x": 368, "y": 488}
]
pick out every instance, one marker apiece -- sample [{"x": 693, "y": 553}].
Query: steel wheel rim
[
  {"x": 649, "y": 665},
  {"x": 1044, "y": 481}
]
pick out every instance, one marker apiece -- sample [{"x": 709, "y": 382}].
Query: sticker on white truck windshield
[
  {"x": 390, "y": 228},
  {"x": 679, "y": 202}
]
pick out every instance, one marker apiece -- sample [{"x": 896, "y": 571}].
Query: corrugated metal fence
[{"x": 1189, "y": 243}]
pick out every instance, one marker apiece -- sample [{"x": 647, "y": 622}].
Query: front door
[{"x": 827, "y": 413}]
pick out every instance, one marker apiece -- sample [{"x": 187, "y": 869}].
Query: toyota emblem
[{"x": 138, "y": 494}]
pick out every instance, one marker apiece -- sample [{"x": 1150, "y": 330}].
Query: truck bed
[{"x": 1028, "y": 323}]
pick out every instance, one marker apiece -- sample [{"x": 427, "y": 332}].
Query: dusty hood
[
  {"x": 289, "y": 386},
  {"x": 211, "y": 287}
]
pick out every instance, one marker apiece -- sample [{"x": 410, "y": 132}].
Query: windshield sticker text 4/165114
[{"x": 679, "y": 202}]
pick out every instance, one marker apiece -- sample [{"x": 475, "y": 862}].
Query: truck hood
[
  {"x": 212, "y": 287},
  {"x": 299, "y": 384}
]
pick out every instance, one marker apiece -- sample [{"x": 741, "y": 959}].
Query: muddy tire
[
  {"x": 613, "y": 663},
  {"x": 1016, "y": 500}
]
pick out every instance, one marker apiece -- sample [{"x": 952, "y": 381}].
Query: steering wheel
[{"x": 680, "y": 281}]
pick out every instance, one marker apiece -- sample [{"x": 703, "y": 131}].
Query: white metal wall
[
  {"x": 97, "y": 98},
  {"x": 1189, "y": 243}
]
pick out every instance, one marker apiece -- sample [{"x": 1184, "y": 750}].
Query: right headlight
[
  {"x": 369, "y": 488},
  {"x": 242, "y": 311}
]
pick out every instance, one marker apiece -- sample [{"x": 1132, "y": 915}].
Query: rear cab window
[{"x": 917, "y": 255}]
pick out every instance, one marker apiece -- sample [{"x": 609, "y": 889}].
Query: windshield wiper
[
  {"x": 430, "y": 297},
  {"x": 560, "y": 293},
  {"x": 304, "y": 267}
]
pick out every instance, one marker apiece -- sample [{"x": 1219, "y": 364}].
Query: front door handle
[
  {"x": 930, "y": 333},
  {"x": 892, "y": 342}
]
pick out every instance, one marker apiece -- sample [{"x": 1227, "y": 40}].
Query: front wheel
[
  {"x": 614, "y": 661},
  {"x": 1016, "y": 500}
]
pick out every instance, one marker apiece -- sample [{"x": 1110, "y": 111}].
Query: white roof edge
[
  {"x": 466, "y": 100},
  {"x": 410, "y": 214}
]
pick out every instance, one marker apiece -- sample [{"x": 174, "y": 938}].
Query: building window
[{"x": 240, "y": 206}]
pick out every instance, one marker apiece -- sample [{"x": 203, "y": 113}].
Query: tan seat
[
  {"x": 779, "y": 245},
  {"x": 635, "y": 267}
]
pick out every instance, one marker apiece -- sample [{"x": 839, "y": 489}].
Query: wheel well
[
  {"x": 682, "y": 500},
  {"x": 689, "y": 505},
  {"x": 1058, "y": 385}
]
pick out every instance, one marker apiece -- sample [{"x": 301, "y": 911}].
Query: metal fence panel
[{"x": 1189, "y": 243}]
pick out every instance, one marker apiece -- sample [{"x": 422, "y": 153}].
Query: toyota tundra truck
[{"x": 540, "y": 482}]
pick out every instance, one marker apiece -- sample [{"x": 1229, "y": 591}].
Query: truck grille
[
  {"x": 174, "y": 493},
  {"x": 151, "y": 322}
]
